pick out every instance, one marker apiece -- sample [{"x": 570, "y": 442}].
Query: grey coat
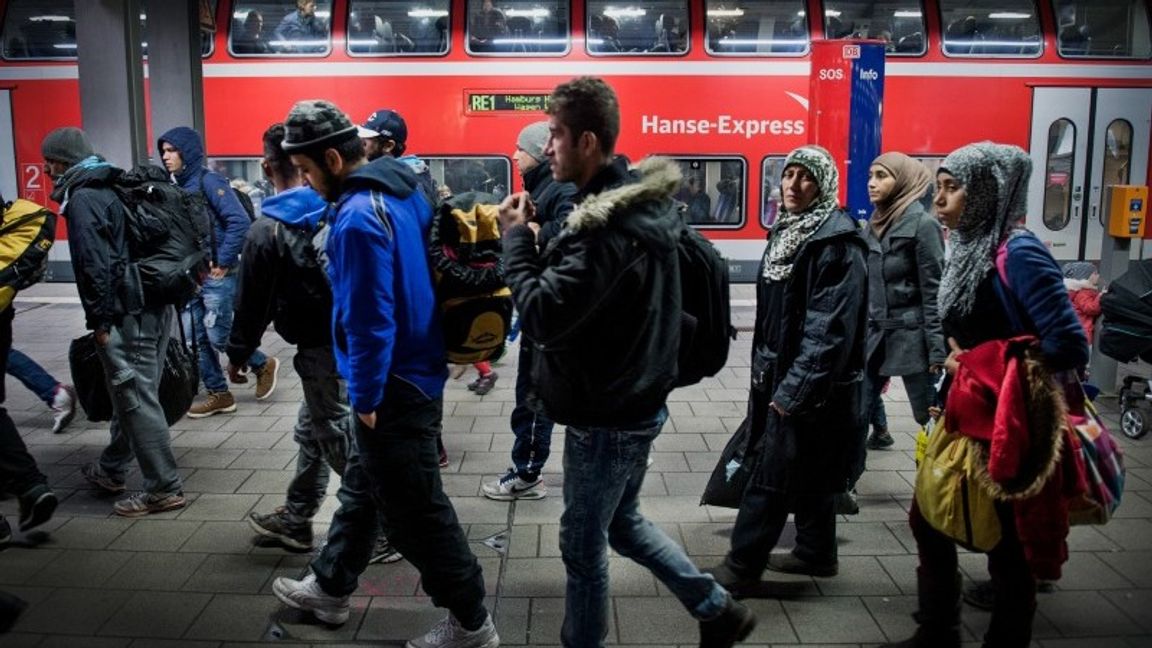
[{"x": 904, "y": 271}]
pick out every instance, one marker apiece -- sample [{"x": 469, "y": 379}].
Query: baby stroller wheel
[{"x": 1136, "y": 420}]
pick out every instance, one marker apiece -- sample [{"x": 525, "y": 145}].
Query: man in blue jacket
[
  {"x": 182, "y": 151},
  {"x": 390, "y": 348}
]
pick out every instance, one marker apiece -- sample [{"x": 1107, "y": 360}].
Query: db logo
[{"x": 851, "y": 51}]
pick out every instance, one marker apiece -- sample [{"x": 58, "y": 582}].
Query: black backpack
[
  {"x": 706, "y": 318},
  {"x": 169, "y": 235},
  {"x": 244, "y": 199}
]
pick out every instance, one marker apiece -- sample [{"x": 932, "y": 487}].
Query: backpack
[
  {"x": 169, "y": 235},
  {"x": 468, "y": 271},
  {"x": 26, "y": 234},
  {"x": 706, "y": 318},
  {"x": 244, "y": 199}
]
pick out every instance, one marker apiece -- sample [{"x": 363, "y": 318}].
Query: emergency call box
[{"x": 1126, "y": 211}]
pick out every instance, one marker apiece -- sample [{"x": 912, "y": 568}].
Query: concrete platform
[{"x": 197, "y": 577}]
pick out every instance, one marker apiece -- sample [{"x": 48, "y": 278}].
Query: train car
[{"x": 720, "y": 85}]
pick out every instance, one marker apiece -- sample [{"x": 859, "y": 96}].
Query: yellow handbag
[{"x": 949, "y": 495}]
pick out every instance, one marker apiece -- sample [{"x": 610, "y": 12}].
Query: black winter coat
[
  {"x": 601, "y": 304},
  {"x": 808, "y": 357},
  {"x": 96, "y": 243},
  {"x": 553, "y": 200},
  {"x": 280, "y": 282}
]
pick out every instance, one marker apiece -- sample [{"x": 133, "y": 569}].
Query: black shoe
[
  {"x": 790, "y": 564},
  {"x": 11, "y": 607},
  {"x": 734, "y": 624},
  {"x": 980, "y": 595},
  {"x": 846, "y": 503},
  {"x": 738, "y": 586},
  {"x": 880, "y": 439},
  {"x": 37, "y": 506},
  {"x": 5, "y": 532}
]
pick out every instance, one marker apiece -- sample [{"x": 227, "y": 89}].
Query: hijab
[
  {"x": 995, "y": 178},
  {"x": 912, "y": 180},
  {"x": 793, "y": 229}
]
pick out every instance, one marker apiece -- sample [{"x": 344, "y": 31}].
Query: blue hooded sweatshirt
[
  {"x": 385, "y": 320},
  {"x": 300, "y": 207},
  {"x": 230, "y": 219}
]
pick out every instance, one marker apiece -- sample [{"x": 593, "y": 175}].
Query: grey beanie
[
  {"x": 533, "y": 140},
  {"x": 68, "y": 144},
  {"x": 316, "y": 123},
  {"x": 1079, "y": 270}
]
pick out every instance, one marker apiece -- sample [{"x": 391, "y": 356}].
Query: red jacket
[
  {"x": 1002, "y": 396},
  {"x": 1086, "y": 303}
]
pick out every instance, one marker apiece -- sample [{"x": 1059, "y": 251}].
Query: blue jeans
[
  {"x": 211, "y": 313},
  {"x": 133, "y": 360},
  {"x": 533, "y": 430},
  {"x": 27, "y": 371},
  {"x": 603, "y": 471}
]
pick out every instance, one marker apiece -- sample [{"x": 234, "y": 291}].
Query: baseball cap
[{"x": 385, "y": 123}]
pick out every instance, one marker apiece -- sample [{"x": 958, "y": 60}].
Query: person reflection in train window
[
  {"x": 669, "y": 35},
  {"x": 302, "y": 30},
  {"x": 771, "y": 206},
  {"x": 251, "y": 39},
  {"x": 604, "y": 34},
  {"x": 806, "y": 388},
  {"x": 391, "y": 41},
  {"x": 486, "y": 27},
  {"x": 728, "y": 202},
  {"x": 699, "y": 204}
]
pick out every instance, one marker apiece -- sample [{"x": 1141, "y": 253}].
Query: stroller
[{"x": 1127, "y": 335}]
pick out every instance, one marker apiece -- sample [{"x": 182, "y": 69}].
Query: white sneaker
[
  {"x": 450, "y": 634},
  {"x": 511, "y": 487},
  {"x": 64, "y": 406},
  {"x": 307, "y": 595}
]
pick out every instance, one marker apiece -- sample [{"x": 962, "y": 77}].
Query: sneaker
[
  {"x": 384, "y": 552},
  {"x": 213, "y": 403},
  {"x": 37, "y": 506},
  {"x": 880, "y": 439},
  {"x": 484, "y": 384},
  {"x": 511, "y": 487},
  {"x": 278, "y": 526},
  {"x": 734, "y": 624},
  {"x": 450, "y": 634},
  {"x": 5, "y": 532},
  {"x": 266, "y": 378},
  {"x": 141, "y": 504},
  {"x": 307, "y": 595},
  {"x": 98, "y": 478},
  {"x": 64, "y": 406},
  {"x": 790, "y": 564}
]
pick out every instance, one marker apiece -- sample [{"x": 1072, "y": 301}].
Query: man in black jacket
[
  {"x": 601, "y": 306},
  {"x": 551, "y": 202},
  {"x": 131, "y": 337}
]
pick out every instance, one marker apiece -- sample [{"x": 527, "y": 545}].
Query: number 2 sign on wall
[{"x": 34, "y": 187}]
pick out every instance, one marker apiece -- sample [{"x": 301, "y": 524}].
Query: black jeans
[
  {"x": 396, "y": 467},
  {"x": 18, "y": 471},
  {"x": 533, "y": 429},
  {"x": 761, "y": 520}
]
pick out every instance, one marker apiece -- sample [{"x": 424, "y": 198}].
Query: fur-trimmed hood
[
  {"x": 642, "y": 206},
  {"x": 1079, "y": 284}
]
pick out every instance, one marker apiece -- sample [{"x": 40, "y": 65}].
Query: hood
[
  {"x": 656, "y": 180},
  {"x": 418, "y": 166},
  {"x": 191, "y": 148},
  {"x": 89, "y": 171},
  {"x": 299, "y": 207},
  {"x": 537, "y": 176},
  {"x": 386, "y": 173}
]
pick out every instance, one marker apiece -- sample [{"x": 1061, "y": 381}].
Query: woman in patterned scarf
[
  {"x": 807, "y": 374},
  {"x": 980, "y": 197}
]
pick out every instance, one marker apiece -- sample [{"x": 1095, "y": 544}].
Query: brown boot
[
  {"x": 213, "y": 403},
  {"x": 266, "y": 378}
]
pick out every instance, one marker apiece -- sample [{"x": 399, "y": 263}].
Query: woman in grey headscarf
[
  {"x": 981, "y": 197},
  {"x": 807, "y": 374}
]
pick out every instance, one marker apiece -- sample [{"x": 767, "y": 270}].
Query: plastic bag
[{"x": 733, "y": 471}]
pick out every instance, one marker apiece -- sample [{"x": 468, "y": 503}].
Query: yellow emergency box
[{"x": 1126, "y": 211}]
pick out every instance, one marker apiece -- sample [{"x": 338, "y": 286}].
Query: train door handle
[{"x": 1094, "y": 217}]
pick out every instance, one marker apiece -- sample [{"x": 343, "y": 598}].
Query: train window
[
  {"x": 281, "y": 27},
  {"x": 246, "y": 175},
  {"x": 1102, "y": 28},
  {"x": 648, "y": 27},
  {"x": 991, "y": 28},
  {"x": 517, "y": 26},
  {"x": 388, "y": 28},
  {"x": 46, "y": 29},
  {"x": 756, "y": 27},
  {"x": 458, "y": 174},
  {"x": 899, "y": 23},
  {"x": 713, "y": 189},
  {"x": 1117, "y": 153},
  {"x": 1058, "y": 174}
]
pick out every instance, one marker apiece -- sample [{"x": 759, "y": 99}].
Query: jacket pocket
[{"x": 763, "y": 367}]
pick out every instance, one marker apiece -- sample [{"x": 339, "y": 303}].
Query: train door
[
  {"x": 1083, "y": 140},
  {"x": 8, "y": 182}
]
